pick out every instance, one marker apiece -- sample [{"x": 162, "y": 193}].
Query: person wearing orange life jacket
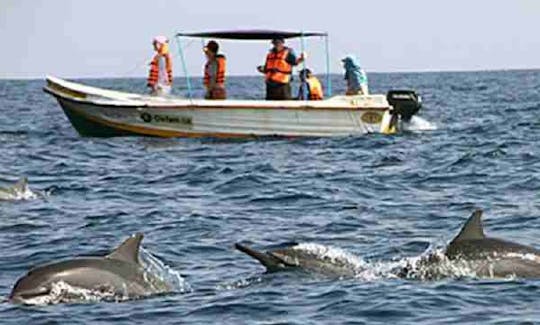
[
  {"x": 310, "y": 86},
  {"x": 160, "y": 77},
  {"x": 278, "y": 70},
  {"x": 214, "y": 72}
]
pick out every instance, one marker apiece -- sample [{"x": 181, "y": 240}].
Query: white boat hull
[{"x": 98, "y": 112}]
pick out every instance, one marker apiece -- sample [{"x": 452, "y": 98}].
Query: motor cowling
[{"x": 406, "y": 103}]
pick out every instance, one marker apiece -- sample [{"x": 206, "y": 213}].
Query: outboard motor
[{"x": 406, "y": 103}]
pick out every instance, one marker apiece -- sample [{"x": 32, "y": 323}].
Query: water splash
[
  {"x": 20, "y": 192},
  {"x": 61, "y": 292},
  {"x": 165, "y": 273},
  {"x": 418, "y": 124},
  {"x": 240, "y": 284},
  {"x": 333, "y": 255},
  {"x": 431, "y": 265}
]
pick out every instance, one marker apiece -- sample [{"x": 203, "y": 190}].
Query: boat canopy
[{"x": 252, "y": 34}]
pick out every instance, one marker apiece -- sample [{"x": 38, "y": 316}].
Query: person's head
[
  {"x": 211, "y": 49},
  {"x": 351, "y": 62},
  {"x": 161, "y": 44},
  {"x": 304, "y": 74},
  {"x": 278, "y": 43}
]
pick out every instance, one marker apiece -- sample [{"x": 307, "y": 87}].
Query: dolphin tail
[{"x": 268, "y": 260}]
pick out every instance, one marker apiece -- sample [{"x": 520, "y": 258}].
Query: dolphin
[
  {"x": 492, "y": 257},
  {"x": 15, "y": 191},
  {"x": 119, "y": 274},
  {"x": 314, "y": 259},
  {"x": 472, "y": 252}
]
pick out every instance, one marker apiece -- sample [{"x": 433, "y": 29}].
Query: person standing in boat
[
  {"x": 357, "y": 81},
  {"x": 310, "y": 86},
  {"x": 214, "y": 72},
  {"x": 160, "y": 77},
  {"x": 278, "y": 70}
]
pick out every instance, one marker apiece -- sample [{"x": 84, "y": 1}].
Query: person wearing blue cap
[{"x": 357, "y": 81}]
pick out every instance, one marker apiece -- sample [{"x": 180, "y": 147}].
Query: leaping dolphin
[
  {"x": 492, "y": 257},
  {"x": 16, "y": 191},
  {"x": 119, "y": 273},
  {"x": 304, "y": 257}
]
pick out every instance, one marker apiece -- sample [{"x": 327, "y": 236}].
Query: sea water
[{"x": 383, "y": 201}]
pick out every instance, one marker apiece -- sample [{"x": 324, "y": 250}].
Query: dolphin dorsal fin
[
  {"x": 21, "y": 185},
  {"x": 128, "y": 251},
  {"x": 473, "y": 228}
]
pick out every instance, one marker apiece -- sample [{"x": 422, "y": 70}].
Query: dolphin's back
[
  {"x": 492, "y": 257},
  {"x": 115, "y": 276},
  {"x": 487, "y": 247}
]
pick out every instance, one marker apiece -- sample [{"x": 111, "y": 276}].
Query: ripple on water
[{"x": 381, "y": 198}]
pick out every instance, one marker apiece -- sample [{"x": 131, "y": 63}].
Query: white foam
[
  {"x": 430, "y": 265},
  {"x": 333, "y": 254},
  {"x": 418, "y": 124},
  {"x": 165, "y": 273},
  {"x": 239, "y": 284},
  {"x": 62, "y": 292},
  {"x": 20, "y": 194}
]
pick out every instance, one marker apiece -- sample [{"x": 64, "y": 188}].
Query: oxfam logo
[{"x": 146, "y": 117}]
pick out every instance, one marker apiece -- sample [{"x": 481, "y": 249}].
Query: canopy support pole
[
  {"x": 328, "y": 76},
  {"x": 184, "y": 66},
  {"x": 303, "y": 84}
]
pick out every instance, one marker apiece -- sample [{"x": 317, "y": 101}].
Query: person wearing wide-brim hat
[
  {"x": 278, "y": 70},
  {"x": 214, "y": 72}
]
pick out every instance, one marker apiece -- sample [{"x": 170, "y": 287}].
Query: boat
[{"x": 96, "y": 112}]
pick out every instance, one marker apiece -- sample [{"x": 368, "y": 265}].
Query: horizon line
[{"x": 258, "y": 75}]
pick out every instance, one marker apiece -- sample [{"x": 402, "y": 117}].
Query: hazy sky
[{"x": 106, "y": 38}]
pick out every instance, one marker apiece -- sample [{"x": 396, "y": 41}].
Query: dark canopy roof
[{"x": 251, "y": 34}]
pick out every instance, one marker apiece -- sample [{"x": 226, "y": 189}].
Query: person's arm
[{"x": 294, "y": 60}]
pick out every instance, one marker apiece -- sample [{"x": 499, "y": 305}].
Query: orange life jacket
[
  {"x": 315, "y": 89},
  {"x": 153, "y": 76},
  {"x": 277, "y": 68},
  {"x": 220, "y": 73}
]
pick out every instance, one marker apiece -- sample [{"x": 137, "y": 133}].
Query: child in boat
[
  {"x": 214, "y": 72},
  {"x": 357, "y": 82},
  {"x": 160, "y": 77},
  {"x": 310, "y": 86}
]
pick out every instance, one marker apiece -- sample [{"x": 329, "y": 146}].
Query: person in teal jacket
[{"x": 357, "y": 81}]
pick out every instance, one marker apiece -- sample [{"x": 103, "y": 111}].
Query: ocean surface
[{"x": 385, "y": 200}]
